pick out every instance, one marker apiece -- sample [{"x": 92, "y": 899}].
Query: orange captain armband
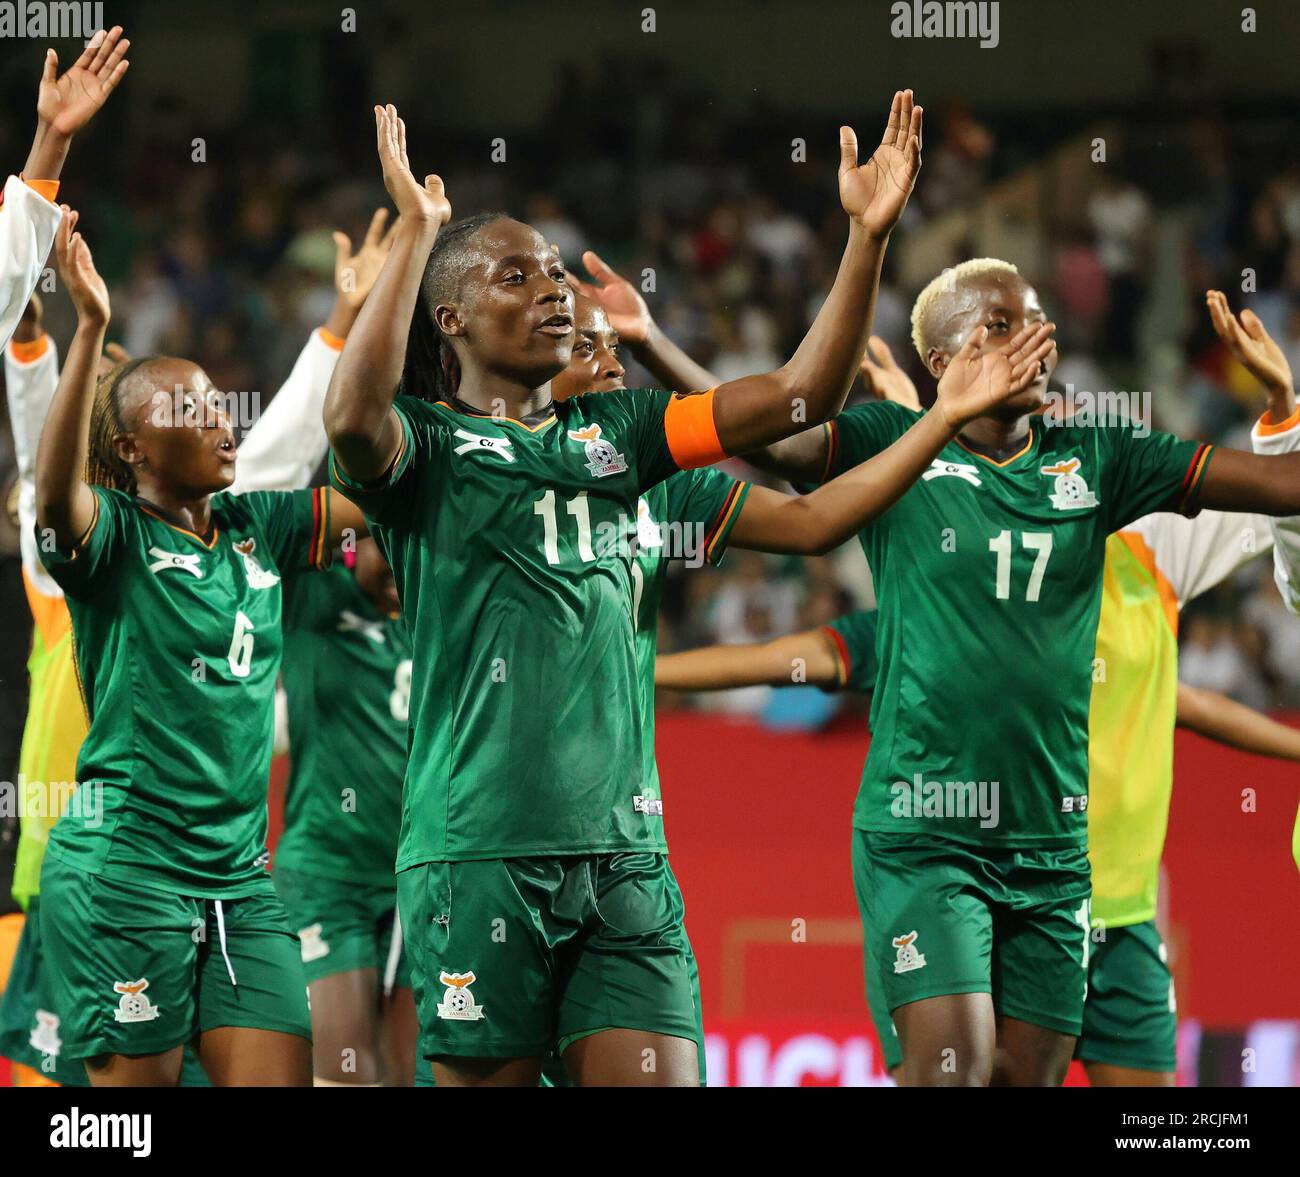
[{"x": 691, "y": 433}]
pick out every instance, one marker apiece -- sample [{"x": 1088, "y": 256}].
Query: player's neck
[
  {"x": 181, "y": 510},
  {"x": 500, "y": 396},
  {"x": 995, "y": 438}
]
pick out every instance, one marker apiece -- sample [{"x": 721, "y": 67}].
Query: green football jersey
[
  {"x": 854, "y": 636},
  {"x": 178, "y": 646},
  {"x": 988, "y": 581},
  {"x": 512, "y": 544},
  {"x": 689, "y": 517},
  {"x": 347, "y": 675}
]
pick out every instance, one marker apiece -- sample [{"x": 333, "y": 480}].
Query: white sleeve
[
  {"x": 287, "y": 442},
  {"x": 1283, "y": 439},
  {"x": 1194, "y": 555},
  {"x": 27, "y": 225},
  {"x": 31, "y": 384}
]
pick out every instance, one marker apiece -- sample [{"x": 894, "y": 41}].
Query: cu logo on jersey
[{"x": 477, "y": 443}]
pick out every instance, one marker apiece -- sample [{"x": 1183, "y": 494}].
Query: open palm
[
  {"x": 67, "y": 103},
  {"x": 77, "y": 268},
  {"x": 418, "y": 202},
  {"x": 972, "y": 384},
  {"x": 626, "y": 310},
  {"x": 355, "y": 273},
  {"x": 1253, "y": 346},
  {"x": 875, "y": 193}
]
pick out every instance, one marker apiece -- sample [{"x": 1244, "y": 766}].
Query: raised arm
[
  {"x": 66, "y": 104},
  {"x": 838, "y": 509},
  {"x": 630, "y": 316},
  {"x": 359, "y": 419},
  {"x": 287, "y": 442},
  {"x": 64, "y": 503},
  {"x": 757, "y": 410},
  {"x": 1265, "y": 482},
  {"x": 807, "y": 657},
  {"x": 1224, "y": 720}
]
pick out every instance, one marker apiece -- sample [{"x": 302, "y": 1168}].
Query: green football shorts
[
  {"x": 344, "y": 926},
  {"x": 511, "y": 958},
  {"x": 138, "y": 971},
  {"x": 942, "y": 917},
  {"x": 1130, "y": 1018}
]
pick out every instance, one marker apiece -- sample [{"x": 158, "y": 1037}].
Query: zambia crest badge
[
  {"x": 458, "y": 1004},
  {"x": 134, "y": 1006},
  {"x": 602, "y": 458},
  {"x": 1071, "y": 492},
  {"x": 908, "y": 958},
  {"x": 258, "y": 577}
]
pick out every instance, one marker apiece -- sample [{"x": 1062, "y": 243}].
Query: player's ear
[
  {"x": 448, "y": 319},
  {"x": 124, "y": 445},
  {"x": 936, "y": 362}
]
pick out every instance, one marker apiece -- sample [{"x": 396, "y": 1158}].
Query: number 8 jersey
[
  {"x": 988, "y": 577},
  {"x": 513, "y": 545},
  {"x": 177, "y": 643}
]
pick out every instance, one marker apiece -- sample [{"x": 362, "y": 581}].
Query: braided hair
[
  {"x": 431, "y": 371},
  {"x": 104, "y": 465}
]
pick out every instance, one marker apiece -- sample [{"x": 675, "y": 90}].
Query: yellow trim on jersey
[
  {"x": 209, "y": 544},
  {"x": 1005, "y": 461},
  {"x": 476, "y": 416}
]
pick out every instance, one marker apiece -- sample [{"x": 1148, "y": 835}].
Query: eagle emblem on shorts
[
  {"x": 908, "y": 958},
  {"x": 134, "y": 1006},
  {"x": 45, "y": 1037},
  {"x": 458, "y": 1004},
  {"x": 603, "y": 458}
]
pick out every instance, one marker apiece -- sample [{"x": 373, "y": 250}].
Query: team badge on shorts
[
  {"x": 908, "y": 958},
  {"x": 602, "y": 458},
  {"x": 457, "y": 1004},
  {"x": 45, "y": 1037},
  {"x": 258, "y": 577},
  {"x": 313, "y": 947},
  {"x": 134, "y": 1005},
  {"x": 1071, "y": 492}
]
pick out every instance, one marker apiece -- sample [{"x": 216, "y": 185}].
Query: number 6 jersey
[
  {"x": 988, "y": 578},
  {"x": 177, "y": 643}
]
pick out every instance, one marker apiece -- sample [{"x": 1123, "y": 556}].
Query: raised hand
[
  {"x": 1255, "y": 349},
  {"x": 875, "y": 193},
  {"x": 66, "y": 104},
  {"x": 426, "y": 203},
  {"x": 972, "y": 383},
  {"x": 355, "y": 273},
  {"x": 884, "y": 378},
  {"x": 77, "y": 268},
  {"x": 627, "y": 310}
]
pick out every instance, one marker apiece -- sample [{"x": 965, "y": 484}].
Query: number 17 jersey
[{"x": 988, "y": 578}]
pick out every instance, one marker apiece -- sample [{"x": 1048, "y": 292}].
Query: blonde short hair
[{"x": 927, "y": 302}]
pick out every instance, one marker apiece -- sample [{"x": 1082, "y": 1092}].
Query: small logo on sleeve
[
  {"x": 908, "y": 958},
  {"x": 458, "y": 1003},
  {"x": 182, "y": 561},
  {"x": 134, "y": 1006},
  {"x": 603, "y": 459},
  {"x": 651, "y": 806},
  {"x": 1071, "y": 492}
]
